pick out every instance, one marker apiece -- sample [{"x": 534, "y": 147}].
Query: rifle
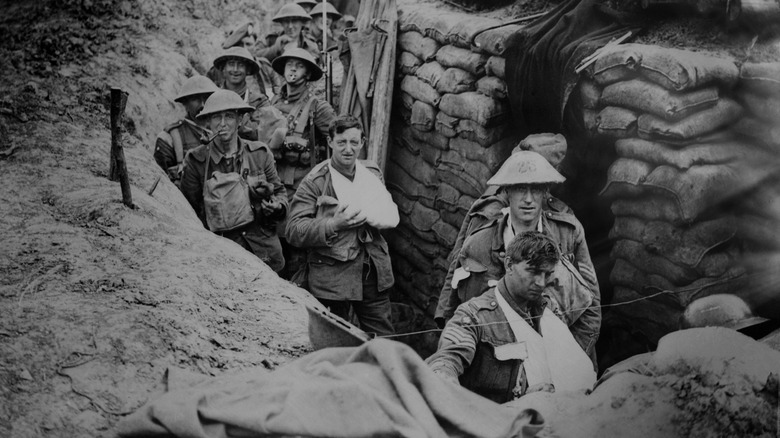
[{"x": 326, "y": 56}]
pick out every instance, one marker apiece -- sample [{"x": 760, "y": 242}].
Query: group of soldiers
[{"x": 276, "y": 170}]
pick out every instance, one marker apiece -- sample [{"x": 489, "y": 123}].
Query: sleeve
[
  {"x": 280, "y": 193},
  {"x": 163, "y": 151},
  {"x": 192, "y": 186},
  {"x": 324, "y": 114},
  {"x": 268, "y": 52},
  {"x": 457, "y": 345},
  {"x": 304, "y": 229},
  {"x": 448, "y": 298},
  {"x": 586, "y": 329}
]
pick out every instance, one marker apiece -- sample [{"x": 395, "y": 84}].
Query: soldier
[
  {"x": 318, "y": 26},
  {"x": 235, "y": 64},
  {"x": 524, "y": 179},
  {"x": 308, "y": 117},
  {"x": 507, "y": 342},
  {"x": 336, "y": 216},
  {"x": 293, "y": 19},
  {"x": 232, "y": 184},
  {"x": 179, "y": 137},
  {"x": 301, "y": 143}
]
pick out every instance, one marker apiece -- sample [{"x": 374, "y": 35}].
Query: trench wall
[{"x": 691, "y": 187}]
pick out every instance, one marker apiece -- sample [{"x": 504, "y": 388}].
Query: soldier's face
[
  {"x": 292, "y": 28},
  {"x": 193, "y": 104},
  {"x": 225, "y": 124},
  {"x": 235, "y": 71},
  {"x": 525, "y": 202},
  {"x": 248, "y": 41},
  {"x": 525, "y": 282},
  {"x": 295, "y": 71},
  {"x": 345, "y": 147}
]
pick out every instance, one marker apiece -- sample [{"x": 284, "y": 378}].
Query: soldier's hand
[
  {"x": 270, "y": 206},
  {"x": 283, "y": 40},
  {"x": 347, "y": 218}
]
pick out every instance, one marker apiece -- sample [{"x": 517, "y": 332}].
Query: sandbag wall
[
  {"x": 694, "y": 188},
  {"x": 449, "y": 134}
]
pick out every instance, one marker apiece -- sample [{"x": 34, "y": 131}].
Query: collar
[
  {"x": 217, "y": 155},
  {"x": 533, "y": 310},
  {"x": 292, "y": 96},
  {"x": 509, "y": 231}
]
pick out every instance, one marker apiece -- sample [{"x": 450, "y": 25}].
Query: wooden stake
[{"x": 118, "y": 166}]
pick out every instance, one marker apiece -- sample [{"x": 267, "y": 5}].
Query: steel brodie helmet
[
  {"x": 303, "y": 55},
  {"x": 224, "y": 100},
  {"x": 194, "y": 86},
  {"x": 240, "y": 53},
  {"x": 526, "y": 167},
  {"x": 330, "y": 11},
  {"x": 291, "y": 11}
]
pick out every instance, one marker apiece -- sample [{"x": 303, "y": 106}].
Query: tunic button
[
  {"x": 493, "y": 304},
  {"x": 501, "y": 254},
  {"x": 549, "y": 214},
  {"x": 466, "y": 320},
  {"x": 466, "y": 269},
  {"x": 243, "y": 233},
  {"x": 550, "y": 200}
]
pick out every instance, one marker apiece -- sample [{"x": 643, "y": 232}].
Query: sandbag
[
  {"x": 686, "y": 156},
  {"x": 419, "y": 90},
  {"x": 447, "y": 27},
  {"x": 680, "y": 70},
  {"x": 650, "y": 318},
  {"x": 423, "y": 116},
  {"x": 474, "y": 106},
  {"x": 423, "y": 218},
  {"x": 404, "y": 203},
  {"x": 418, "y": 45},
  {"x": 648, "y": 97},
  {"x": 471, "y": 166},
  {"x": 399, "y": 244},
  {"x": 616, "y": 63},
  {"x": 446, "y": 233},
  {"x": 763, "y": 200},
  {"x": 551, "y": 146},
  {"x": 446, "y": 125},
  {"x": 469, "y": 177},
  {"x": 492, "y": 87},
  {"x": 465, "y": 202},
  {"x": 627, "y": 275},
  {"x": 685, "y": 245},
  {"x": 759, "y": 232},
  {"x": 616, "y": 122},
  {"x": 494, "y": 41},
  {"x": 763, "y": 133},
  {"x": 407, "y": 101},
  {"x": 431, "y": 138},
  {"x": 430, "y": 73},
  {"x": 491, "y": 157},
  {"x": 408, "y": 63},
  {"x": 624, "y": 178},
  {"x": 455, "y": 80},
  {"x": 454, "y": 217},
  {"x": 590, "y": 121},
  {"x": 486, "y": 137},
  {"x": 762, "y": 78},
  {"x": 414, "y": 166},
  {"x": 724, "y": 113},
  {"x": 763, "y": 107},
  {"x": 447, "y": 197},
  {"x": 652, "y": 263},
  {"x": 400, "y": 181},
  {"x": 464, "y": 59},
  {"x": 496, "y": 66},
  {"x": 650, "y": 207},
  {"x": 700, "y": 188},
  {"x": 590, "y": 93},
  {"x": 428, "y": 154}
]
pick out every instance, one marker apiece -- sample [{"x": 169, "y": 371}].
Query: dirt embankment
[{"x": 98, "y": 300}]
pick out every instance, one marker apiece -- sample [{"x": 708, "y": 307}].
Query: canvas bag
[{"x": 226, "y": 198}]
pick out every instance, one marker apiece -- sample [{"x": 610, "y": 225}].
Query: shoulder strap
[
  {"x": 178, "y": 145},
  {"x": 299, "y": 114}
]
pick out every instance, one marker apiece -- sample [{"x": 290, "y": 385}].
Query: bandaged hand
[{"x": 347, "y": 217}]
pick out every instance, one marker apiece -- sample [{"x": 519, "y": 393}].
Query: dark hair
[
  {"x": 534, "y": 247},
  {"x": 342, "y": 123}
]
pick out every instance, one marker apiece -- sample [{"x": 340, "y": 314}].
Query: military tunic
[
  {"x": 260, "y": 236},
  {"x": 188, "y": 134}
]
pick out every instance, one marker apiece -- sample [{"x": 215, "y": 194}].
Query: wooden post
[{"x": 118, "y": 166}]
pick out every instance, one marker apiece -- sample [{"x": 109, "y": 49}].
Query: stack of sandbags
[
  {"x": 679, "y": 168},
  {"x": 450, "y": 133}
]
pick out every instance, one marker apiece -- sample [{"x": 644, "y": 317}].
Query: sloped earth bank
[{"x": 98, "y": 300}]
